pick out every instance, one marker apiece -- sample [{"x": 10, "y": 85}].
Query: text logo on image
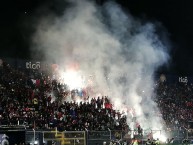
[
  {"x": 30, "y": 65},
  {"x": 183, "y": 79}
]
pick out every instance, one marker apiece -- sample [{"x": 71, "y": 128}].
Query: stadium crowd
[
  {"x": 175, "y": 102},
  {"x": 34, "y": 99}
]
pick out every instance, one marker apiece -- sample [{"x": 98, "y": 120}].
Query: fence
[
  {"x": 48, "y": 137},
  {"x": 56, "y": 137}
]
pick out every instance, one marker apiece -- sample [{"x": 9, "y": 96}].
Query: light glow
[
  {"x": 160, "y": 136},
  {"x": 118, "y": 105},
  {"x": 78, "y": 100},
  {"x": 72, "y": 79}
]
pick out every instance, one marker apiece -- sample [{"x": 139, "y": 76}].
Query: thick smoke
[{"x": 120, "y": 53}]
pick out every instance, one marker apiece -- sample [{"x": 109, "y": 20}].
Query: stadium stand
[{"x": 26, "y": 99}]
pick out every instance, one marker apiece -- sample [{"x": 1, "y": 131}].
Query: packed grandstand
[{"x": 37, "y": 101}]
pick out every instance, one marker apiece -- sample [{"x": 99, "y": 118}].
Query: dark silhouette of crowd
[
  {"x": 175, "y": 101},
  {"x": 34, "y": 99}
]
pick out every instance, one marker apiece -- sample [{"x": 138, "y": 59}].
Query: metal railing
[
  {"x": 59, "y": 138},
  {"x": 93, "y": 137}
]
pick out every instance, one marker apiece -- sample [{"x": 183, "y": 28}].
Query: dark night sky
[{"x": 18, "y": 17}]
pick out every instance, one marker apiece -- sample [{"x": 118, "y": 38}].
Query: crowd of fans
[
  {"x": 36, "y": 100},
  {"x": 175, "y": 102}
]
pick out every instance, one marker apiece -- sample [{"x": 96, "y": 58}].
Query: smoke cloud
[{"x": 118, "y": 51}]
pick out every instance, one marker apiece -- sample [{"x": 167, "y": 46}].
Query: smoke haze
[{"x": 117, "y": 50}]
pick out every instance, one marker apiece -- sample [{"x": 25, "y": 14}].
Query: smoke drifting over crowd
[{"x": 113, "y": 49}]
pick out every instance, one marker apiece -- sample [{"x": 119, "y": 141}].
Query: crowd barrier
[
  {"x": 16, "y": 135},
  {"x": 56, "y": 137}
]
